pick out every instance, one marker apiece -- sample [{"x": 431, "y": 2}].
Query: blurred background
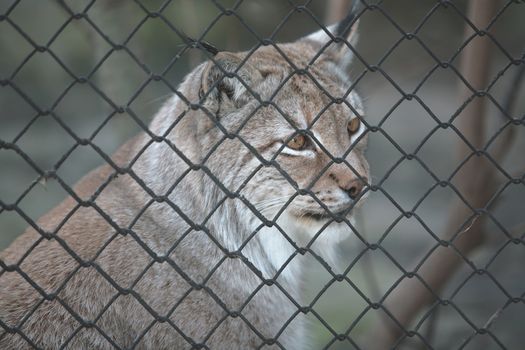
[{"x": 37, "y": 81}]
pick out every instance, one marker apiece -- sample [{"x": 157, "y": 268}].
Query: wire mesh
[{"x": 208, "y": 51}]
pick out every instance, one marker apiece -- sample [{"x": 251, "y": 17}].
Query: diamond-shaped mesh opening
[
  {"x": 408, "y": 172},
  {"x": 96, "y": 106},
  {"x": 80, "y": 276},
  {"x": 12, "y": 55},
  {"x": 119, "y": 62},
  {"x": 150, "y": 99},
  {"x": 117, "y": 125},
  {"x": 231, "y": 20},
  {"x": 43, "y": 196},
  {"x": 168, "y": 42},
  {"x": 506, "y": 41},
  {"x": 242, "y": 212},
  {"x": 438, "y": 145},
  {"x": 437, "y": 201},
  {"x": 408, "y": 113},
  {"x": 16, "y": 224},
  {"x": 70, "y": 47},
  {"x": 22, "y": 15},
  {"x": 116, "y": 20},
  {"x": 408, "y": 51},
  {"x": 141, "y": 260},
  {"x": 388, "y": 35},
  {"x": 38, "y": 252},
  {"x": 397, "y": 235},
  {"x": 16, "y": 165},
  {"x": 341, "y": 296},
  {"x": 390, "y": 212},
  {"x": 433, "y": 94},
  {"x": 457, "y": 327},
  {"x": 507, "y": 277},
  {"x": 58, "y": 140},
  {"x": 61, "y": 318},
  {"x": 20, "y": 114},
  {"x": 173, "y": 293},
  {"x": 494, "y": 296},
  {"x": 506, "y": 215},
  {"x": 510, "y": 312},
  {"x": 442, "y": 21},
  {"x": 42, "y": 92},
  {"x": 79, "y": 161}
]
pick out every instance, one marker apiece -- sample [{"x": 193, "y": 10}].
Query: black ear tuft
[
  {"x": 201, "y": 44},
  {"x": 344, "y": 27}
]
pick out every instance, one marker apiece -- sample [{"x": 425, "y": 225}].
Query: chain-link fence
[{"x": 237, "y": 217}]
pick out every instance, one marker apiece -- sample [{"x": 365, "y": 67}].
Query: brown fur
[{"x": 147, "y": 277}]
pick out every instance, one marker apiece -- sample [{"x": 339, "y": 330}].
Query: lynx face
[
  {"x": 297, "y": 130},
  {"x": 281, "y": 127},
  {"x": 319, "y": 144}
]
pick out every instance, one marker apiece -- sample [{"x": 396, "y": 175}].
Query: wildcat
[{"x": 194, "y": 235}]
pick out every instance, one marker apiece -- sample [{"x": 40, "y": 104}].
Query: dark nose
[
  {"x": 349, "y": 180},
  {"x": 354, "y": 188}
]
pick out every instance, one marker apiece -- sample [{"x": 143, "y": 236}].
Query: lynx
[{"x": 194, "y": 236}]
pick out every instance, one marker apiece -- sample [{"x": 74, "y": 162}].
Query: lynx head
[{"x": 280, "y": 126}]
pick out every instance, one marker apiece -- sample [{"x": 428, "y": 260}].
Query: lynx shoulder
[{"x": 192, "y": 237}]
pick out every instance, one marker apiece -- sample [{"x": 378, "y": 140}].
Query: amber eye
[
  {"x": 298, "y": 142},
  {"x": 354, "y": 125}
]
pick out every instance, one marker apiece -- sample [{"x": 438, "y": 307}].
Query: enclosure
[{"x": 437, "y": 258}]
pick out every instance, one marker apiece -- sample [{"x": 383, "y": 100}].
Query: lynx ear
[
  {"x": 224, "y": 81},
  {"x": 346, "y": 30}
]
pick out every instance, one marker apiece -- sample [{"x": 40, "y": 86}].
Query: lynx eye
[
  {"x": 298, "y": 142},
  {"x": 353, "y": 126}
]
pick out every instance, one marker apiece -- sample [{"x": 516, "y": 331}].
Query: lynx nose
[
  {"x": 354, "y": 188},
  {"x": 349, "y": 180}
]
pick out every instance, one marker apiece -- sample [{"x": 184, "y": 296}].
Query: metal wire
[{"x": 209, "y": 50}]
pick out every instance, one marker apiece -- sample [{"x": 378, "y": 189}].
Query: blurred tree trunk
[{"x": 475, "y": 183}]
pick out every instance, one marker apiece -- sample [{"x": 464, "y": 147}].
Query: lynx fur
[{"x": 199, "y": 242}]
